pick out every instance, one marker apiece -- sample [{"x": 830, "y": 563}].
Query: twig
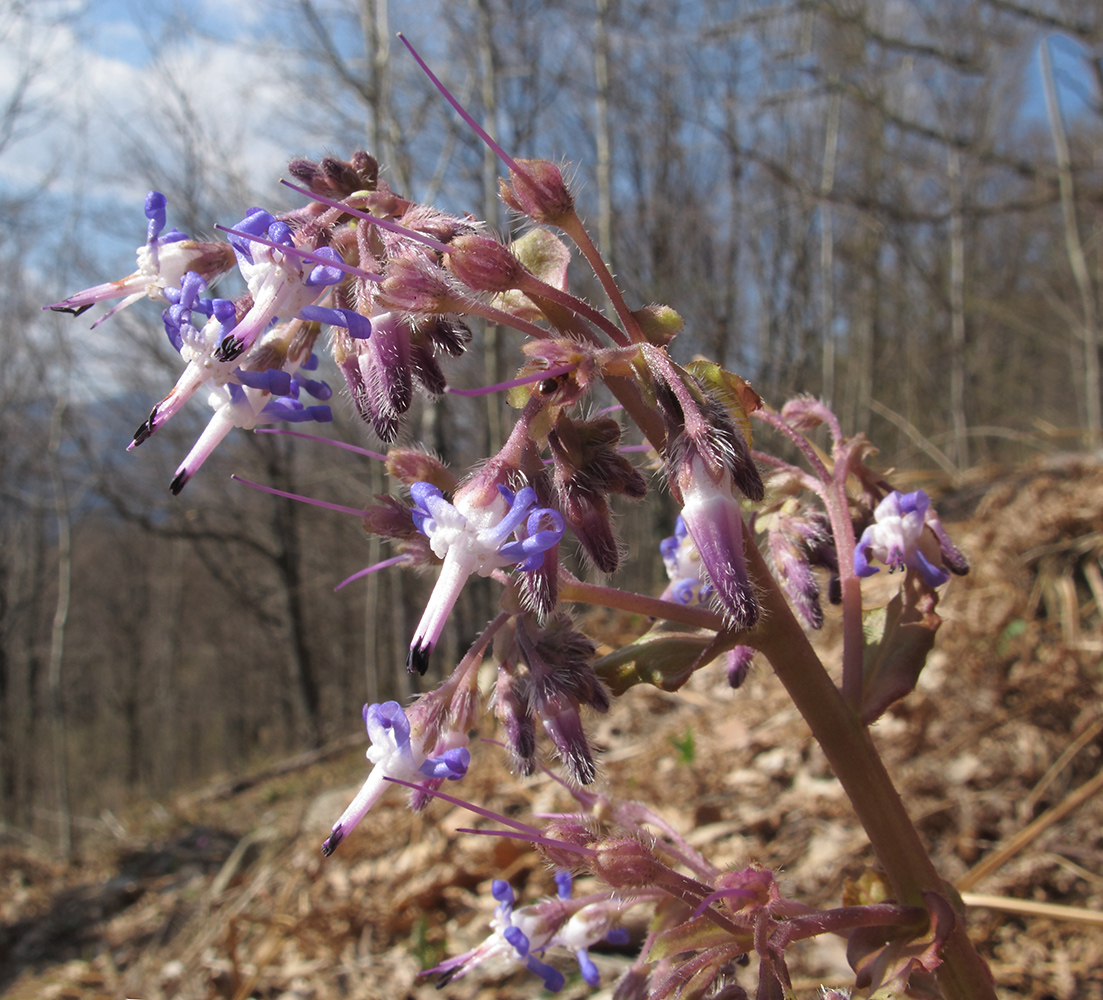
[
  {"x": 1029, "y": 833},
  {"x": 234, "y": 786},
  {"x": 1052, "y": 911},
  {"x": 1058, "y": 765},
  {"x": 941, "y": 459}
]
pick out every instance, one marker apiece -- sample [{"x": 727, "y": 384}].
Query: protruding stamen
[
  {"x": 317, "y": 437},
  {"x": 295, "y": 496},
  {"x": 305, "y": 254},
  {"x": 393, "y": 561},
  {"x": 462, "y": 112},
  {"x": 503, "y": 386},
  {"x": 375, "y": 220}
]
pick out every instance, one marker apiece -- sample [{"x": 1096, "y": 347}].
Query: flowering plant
[{"x": 396, "y": 284}]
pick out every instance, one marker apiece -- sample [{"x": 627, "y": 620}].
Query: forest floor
[{"x": 223, "y": 892}]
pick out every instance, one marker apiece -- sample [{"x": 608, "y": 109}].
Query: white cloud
[{"x": 92, "y": 94}]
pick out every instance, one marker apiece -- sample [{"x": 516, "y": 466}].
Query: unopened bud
[
  {"x": 805, "y": 413},
  {"x": 624, "y": 862},
  {"x": 659, "y": 324},
  {"x": 412, "y": 465},
  {"x": 483, "y": 264},
  {"x": 389, "y": 518},
  {"x": 538, "y": 192},
  {"x": 416, "y": 286},
  {"x": 739, "y": 665},
  {"x": 572, "y": 835}
]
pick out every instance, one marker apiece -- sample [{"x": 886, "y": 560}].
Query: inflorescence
[{"x": 397, "y": 284}]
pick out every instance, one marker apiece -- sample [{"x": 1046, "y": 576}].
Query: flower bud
[
  {"x": 483, "y": 264},
  {"x": 624, "y": 863},
  {"x": 570, "y": 833},
  {"x": 412, "y": 465},
  {"x": 539, "y": 191},
  {"x": 739, "y": 665},
  {"x": 805, "y": 413},
  {"x": 416, "y": 286},
  {"x": 389, "y": 518}
]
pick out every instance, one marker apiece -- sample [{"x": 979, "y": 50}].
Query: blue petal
[
  {"x": 323, "y": 274},
  {"x": 172, "y": 329},
  {"x": 517, "y": 937},
  {"x": 280, "y": 232},
  {"x": 224, "y": 311},
  {"x": 256, "y": 223},
  {"x": 359, "y": 327},
  {"x": 668, "y": 547},
  {"x": 452, "y": 764},
  {"x": 273, "y": 380},
  {"x": 861, "y": 560},
  {"x": 553, "y": 978},
  {"x": 538, "y": 541},
  {"x": 155, "y": 212},
  {"x": 319, "y": 390},
  {"x": 421, "y": 492},
  {"x": 589, "y": 970},
  {"x": 933, "y": 576},
  {"x": 388, "y": 715}
]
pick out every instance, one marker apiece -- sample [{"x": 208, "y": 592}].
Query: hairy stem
[
  {"x": 854, "y": 760},
  {"x": 653, "y": 607}
]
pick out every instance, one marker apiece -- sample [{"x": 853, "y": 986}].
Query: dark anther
[
  {"x": 229, "y": 349},
  {"x": 179, "y": 482},
  {"x": 418, "y": 659},
  {"x": 548, "y": 386},
  {"x": 145, "y": 430},
  {"x": 72, "y": 310},
  {"x": 331, "y": 842}
]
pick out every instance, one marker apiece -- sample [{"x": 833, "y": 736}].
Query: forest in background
[{"x": 889, "y": 205}]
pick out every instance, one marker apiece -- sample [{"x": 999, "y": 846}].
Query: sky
[{"x": 100, "y": 74}]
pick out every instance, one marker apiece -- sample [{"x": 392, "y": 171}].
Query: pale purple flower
[
  {"x": 689, "y": 583},
  {"x": 895, "y": 538},
  {"x": 281, "y": 283},
  {"x": 266, "y": 397},
  {"x": 163, "y": 260},
  {"x": 398, "y": 752},
  {"x": 519, "y": 934},
  {"x": 472, "y": 537},
  {"x": 713, "y": 520}
]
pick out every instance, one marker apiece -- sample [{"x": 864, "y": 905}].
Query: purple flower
[
  {"x": 713, "y": 520},
  {"x": 396, "y": 752},
  {"x": 281, "y": 283},
  {"x": 163, "y": 260},
  {"x": 472, "y": 537},
  {"x": 896, "y": 536},
  {"x": 519, "y": 934},
  {"x": 241, "y": 396},
  {"x": 689, "y": 583}
]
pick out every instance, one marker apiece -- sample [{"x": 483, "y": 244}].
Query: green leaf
[
  {"x": 897, "y": 641},
  {"x": 696, "y": 935},
  {"x": 660, "y": 324},
  {"x": 662, "y": 658},
  {"x": 686, "y": 746}
]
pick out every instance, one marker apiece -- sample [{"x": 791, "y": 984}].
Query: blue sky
[{"x": 97, "y": 81}]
